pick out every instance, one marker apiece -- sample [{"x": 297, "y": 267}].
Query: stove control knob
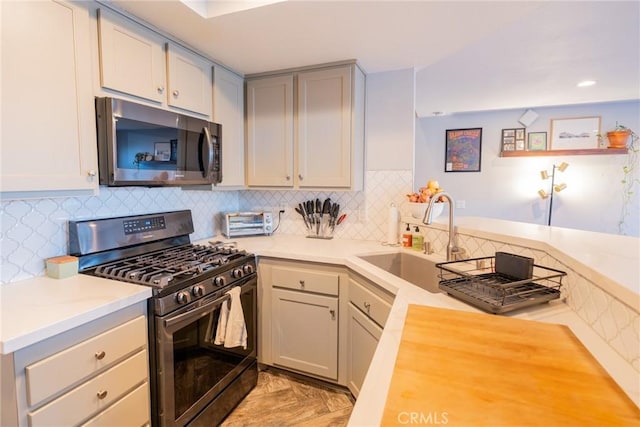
[
  {"x": 197, "y": 291},
  {"x": 182, "y": 297},
  {"x": 219, "y": 281},
  {"x": 248, "y": 269},
  {"x": 237, "y": 273}
]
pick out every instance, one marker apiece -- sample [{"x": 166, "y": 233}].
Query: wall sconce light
[{"x": 555, "y": 188}]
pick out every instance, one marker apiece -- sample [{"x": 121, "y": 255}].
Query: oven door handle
[{"x": 199, "y": 312}]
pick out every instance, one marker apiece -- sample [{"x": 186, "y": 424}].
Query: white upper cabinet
[
  {"x": 270, "y": 131},
  {"x": 48, "y": 124},
  {"x": 327, "y": 147},
  {"x": 189, "y": 77},
  {"x": 228, "y": 109},
  {"x": 132, "y": 59},
  {"x": 137, "y": 61}
]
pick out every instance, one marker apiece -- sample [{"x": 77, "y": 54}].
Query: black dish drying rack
[{"x": 477, "y": 282}]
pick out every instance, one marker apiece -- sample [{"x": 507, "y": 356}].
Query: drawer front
[
  {"x": 82, "y": 360},
  {"x": 370, "y": 304},
  {"x": 306, "y": 280},
  {"x": 94, "y": 395},
  {"x": 130, "y": 411}
]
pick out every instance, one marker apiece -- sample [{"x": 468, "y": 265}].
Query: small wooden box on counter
[{"x": 61, "y": 267}]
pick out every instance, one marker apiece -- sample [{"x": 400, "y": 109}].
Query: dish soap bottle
[
  {"x": 417, "y": 240},
  {"x": 406, "y": 237}
]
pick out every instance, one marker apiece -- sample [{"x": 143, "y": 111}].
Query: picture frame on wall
[
  {"x": 537, "y": 141},
  {"x": 513, "y": 139},
  {"x": 575, "y": 133},
  {"x": 463, "y": 150}
]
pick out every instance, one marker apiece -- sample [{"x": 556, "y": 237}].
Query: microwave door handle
[{"x": 206, "y": 168}]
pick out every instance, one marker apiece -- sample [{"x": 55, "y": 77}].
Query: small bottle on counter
[
  {"x": 406, "y": 237},
  {"x": 417, "y": 240}
]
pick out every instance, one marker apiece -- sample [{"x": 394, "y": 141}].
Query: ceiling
[{"x": 467, "y": 55}]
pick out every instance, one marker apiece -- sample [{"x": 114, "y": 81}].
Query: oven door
[{"x": 191, "y": 369}]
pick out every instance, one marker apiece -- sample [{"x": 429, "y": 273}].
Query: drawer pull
[
  {"x": 100, "y": 355},
  {"x": 302, "y": 283},
  {"x": 101, "y": 394},
  {"x": 333, "y": 314},
  {"x": 367, "y": 306}
]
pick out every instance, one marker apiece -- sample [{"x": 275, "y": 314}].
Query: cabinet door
[
  {"x": 189, "y": 80},
  {"x": 324, "y": 128},
  {"x": 48, "y": 124},
  {"x": 270, "y": 131},
  {"x": 362, "y": 340},
  {"x": 132, "y": 59},
  {"x": 228, "y": 109},
  {"x": 305, "y": 332}
]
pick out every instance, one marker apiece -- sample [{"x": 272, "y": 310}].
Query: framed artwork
[
  {"x": 537, "y": 141},
  {"x": 162, "y": 151},
  {"x": 463, "y": 150},
  {"x": 575, "y": 133},
  {"x": 513, "y": 139}
]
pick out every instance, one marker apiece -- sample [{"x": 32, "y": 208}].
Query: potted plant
[
  {"x": 630, "y": 180},
  {"x": 619, "y": 136}
]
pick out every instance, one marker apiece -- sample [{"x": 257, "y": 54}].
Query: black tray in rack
[{"x": 476, "y": 282}]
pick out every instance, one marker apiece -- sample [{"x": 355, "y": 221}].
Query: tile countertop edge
[{"x": 56, "y": 306}]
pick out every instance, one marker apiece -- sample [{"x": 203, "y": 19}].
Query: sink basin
[{"x": 415, "y": 269}]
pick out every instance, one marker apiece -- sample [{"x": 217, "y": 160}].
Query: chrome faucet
[{"x": 452, "y": 251}]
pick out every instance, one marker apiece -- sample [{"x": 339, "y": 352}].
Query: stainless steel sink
[{"x": 415, "y": 269}]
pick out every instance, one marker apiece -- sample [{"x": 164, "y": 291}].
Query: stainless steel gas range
[{"x": 197, "y": 377}]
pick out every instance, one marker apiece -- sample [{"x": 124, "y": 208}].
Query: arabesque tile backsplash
[{"x": 33, "y": 230}]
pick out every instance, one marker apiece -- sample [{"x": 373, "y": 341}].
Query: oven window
[{"x": 199, "y": 364}]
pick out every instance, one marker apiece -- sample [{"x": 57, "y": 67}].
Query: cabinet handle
[
  {"x": 300, "y": 177},
  {"x": 333, "y": 314},
  {"x": 367, "y": 306},
  {"x": 100, "y": 355},
  {"x": 160, "y": 90},
  {"x": 302, "y": 283},
  {"x": 288, "y": 178},
  {"x": 91, "y": 173},
  {"x": 101, "y": 394},
  {"x": 176, "y": 93}
]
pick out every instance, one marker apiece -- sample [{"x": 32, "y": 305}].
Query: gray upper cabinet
[
  {"x": 48, "y": 124},
  {"x": 316, "y": 141},
  {"x": 137, "y": 61}
]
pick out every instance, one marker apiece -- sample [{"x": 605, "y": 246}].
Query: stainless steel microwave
[{"x": 147, "y": 146}]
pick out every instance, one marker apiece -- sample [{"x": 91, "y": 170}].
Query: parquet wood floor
[{"x": 283, "y": 400}]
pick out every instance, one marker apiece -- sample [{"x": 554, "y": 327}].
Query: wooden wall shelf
[{"x": 583, "y": 152}]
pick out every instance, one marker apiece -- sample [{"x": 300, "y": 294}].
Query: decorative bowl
[{"x": 418, "y": 209}]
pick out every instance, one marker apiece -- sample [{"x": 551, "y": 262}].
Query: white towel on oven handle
[{"x": 232, "y": 329}]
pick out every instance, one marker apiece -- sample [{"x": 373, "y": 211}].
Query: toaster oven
[{"x": 237, "y": 224}]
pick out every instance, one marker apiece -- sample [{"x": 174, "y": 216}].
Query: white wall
[
  {"x": 390, "y": 118},
  {"x": 506, "y": 187}
]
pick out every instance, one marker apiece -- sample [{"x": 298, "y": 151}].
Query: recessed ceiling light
[{"x": 586, "y": 83}]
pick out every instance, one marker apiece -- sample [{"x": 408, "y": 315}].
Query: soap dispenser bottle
[
  {"x": 417, "y": 240},
  {"x": 407, "y": 237}
]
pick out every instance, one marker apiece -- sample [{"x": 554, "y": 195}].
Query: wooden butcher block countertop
[{"x": 473, "y": 369}]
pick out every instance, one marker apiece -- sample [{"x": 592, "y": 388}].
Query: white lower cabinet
[
  {"x": 369, "y": 307},
  {"x": 96, "y": 374}
]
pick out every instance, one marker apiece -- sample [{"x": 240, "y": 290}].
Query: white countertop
[
  {"x": 609, "y": 260},
  {"x": 36, "y": 309}
]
